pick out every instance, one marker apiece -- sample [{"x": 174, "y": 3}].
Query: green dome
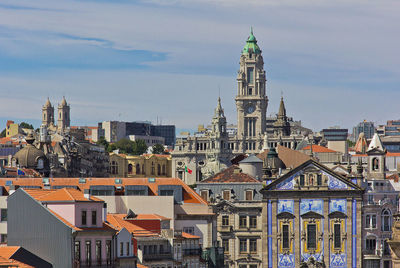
[{"x": 251, "y": 45}]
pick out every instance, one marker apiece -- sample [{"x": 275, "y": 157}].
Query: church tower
[
  {"x": 47, "y": 114},
  {"x": 251, "y": 99},
  {"x": 63, "y": 115},
  {"x": 219, "y": 122},
  {"x": 282, "y": 125},
  {"x": 376, "y": 159}
]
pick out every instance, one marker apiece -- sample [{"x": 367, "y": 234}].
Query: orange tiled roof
[
  {"x": 150, "y": 217},
  {"x": 189, "y": 236},
  {"x": 230, "y": 175},
  {"x": 291, "y": 158},
  {"x": 8, "y": 251},
  {"x": 319, "y": 149},
  {"x": 141, "y": 266},
  {"x": 117, "y": 220},
  {"x": 64, "y": 194},
  {"x": 189, "y": 195}
]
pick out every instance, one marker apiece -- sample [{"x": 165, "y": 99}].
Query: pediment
[
  {"x": 285, "y": 215},
  {"x": 312, "y": 214},
  {"x": 290, "y": 180},
  {"x": 337, "y": 214}
]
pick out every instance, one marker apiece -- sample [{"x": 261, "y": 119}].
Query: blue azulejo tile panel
[
  {"x": 338, "y": 260},
  {"x": 286, "y": 261},
  {"x": 307, "y": 205},
  {"x": 335, "y": 184},
  {"x": 285, "y": 206},
  {"x": 287, "y": 184},
  {"x": 338, "y": 205},
  {"x": 318, "y": 257}
]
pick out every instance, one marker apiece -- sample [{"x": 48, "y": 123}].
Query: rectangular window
[
  {"x": 242, "y": 221},
  {"x": 285, "y": 236},
  {"x": 337, "y": 236},
  {"x": 370, "y": 199},
  {"x": 250, "y": 75},
  {"x": 188, "y": 230},
  {"x": 88, "y": 253},
  {"x": 301, "y": 180},
  {"x": 83, "y": 217},
  {"x": 127, "y": 248},
  {"x": 108, "y": 251},
  {"x": 373, "y": 221},
  {"x": 225, "y": 245},
  {"x": 243, "y": 245},
  {"x": 225, "y": 220},
  {"x": 94, "y": 217},
  {"x": 319, "y": 179},
  {"x": 77, "y": 250},
  {"x": 370, "y": 244},
  {"x": 311, "y": 236},
  {"x": 121, "y": 249},
  {"x": 204, "y": 194},
  {"x": 98, "y": 251},
  {"x": 249, "y": 195},
  {"x": 3, "y": 214},
  {"x": 367, "y": 221},
  {"x": 253, "y": 245},
  {"x": 253, "y": 222},
  {"x": 167, "y": 192},
  {"x": 227, "y": 194}
]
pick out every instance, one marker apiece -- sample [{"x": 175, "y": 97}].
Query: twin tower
[{"x": 63, "y": 121}]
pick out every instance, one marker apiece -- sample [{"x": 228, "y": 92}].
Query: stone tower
[
  {"x": 251, "y": 99},
  {"x": 219, "y": 135},
  {"x": 47, "y": 114},
  {"x": 63, "y": 121},
  {"x": 376, "y": 159},
  {"x": 282, "y": 125}
]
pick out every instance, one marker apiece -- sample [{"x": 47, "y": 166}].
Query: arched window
[
  {"x": 153, "y": 171},
  {"x": 114, "y": 167},
  {"x": 375, "y": 163},
  {"x": 163, "y": 170},
  {"x": 137, "y": 169},
  {"x": 130, "y": 169},
  {"x": 386, "y": 220},
  {"x": 44, "y": 116},
  {"x": 158, "y": 169}
]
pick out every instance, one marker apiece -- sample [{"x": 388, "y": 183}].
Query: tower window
[{"x": 250, "y": 75}]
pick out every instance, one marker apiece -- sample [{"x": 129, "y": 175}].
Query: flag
[
  {"x": 20, "y": 172},
  {"x": 188, "y": 170}
]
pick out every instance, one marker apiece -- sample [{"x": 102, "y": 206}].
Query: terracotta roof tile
[
  {"x": 64, "y": 194},
  {"x": 117, "y": 220},
  {"x": 8, "y": 251},
  {"x": 189, "y": 236},
  {"x": 319, "y": 149},
  {"x": 230, "y": 174}
]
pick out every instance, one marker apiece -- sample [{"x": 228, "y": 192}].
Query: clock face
[{"x": 250, "y": 108}]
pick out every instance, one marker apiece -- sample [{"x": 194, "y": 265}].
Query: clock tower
[{"x": 251, "y": 99}]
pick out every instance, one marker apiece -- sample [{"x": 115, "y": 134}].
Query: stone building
[
  {"x": 211, "y": 151},
  {"x": 312, "y": 218},
  {"x": 235, "y": 199}
]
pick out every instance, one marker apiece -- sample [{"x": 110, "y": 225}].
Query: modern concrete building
[{"x": 365, "y": 127}]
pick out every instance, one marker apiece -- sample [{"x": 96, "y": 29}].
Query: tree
[
  {"x": 139, "y": 147},
  {"x": 158, "y": 149},
  {"x": 125, "y": 145},
  {"x": 26, "y": 125},
  {"x": 102, "y": 141}
]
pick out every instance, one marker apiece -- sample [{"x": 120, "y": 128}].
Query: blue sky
[{"x": 336, "y": 62}]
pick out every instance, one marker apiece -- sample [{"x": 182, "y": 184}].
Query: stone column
[
  {"x": 297, "y": 230},
  {"x": 326, "y": 232}
]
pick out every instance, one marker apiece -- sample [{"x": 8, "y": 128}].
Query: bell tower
[
  {"x": 47, "y": 114},
  {"x": 251, "y": 99},
  {"x": 63, "y": 115}
]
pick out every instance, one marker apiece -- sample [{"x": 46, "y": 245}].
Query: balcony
[
  {"x": 226, "y": 228},
  {"x": 192, "y": 252},
  {"x": 157, "y": 256}
]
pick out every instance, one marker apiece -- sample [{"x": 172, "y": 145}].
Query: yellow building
[
  {"x": 12, "y": 128},
  {"x": 139, "y": 166}
]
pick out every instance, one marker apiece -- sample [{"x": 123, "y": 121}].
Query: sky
[{"x": 336, "y": 63}]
